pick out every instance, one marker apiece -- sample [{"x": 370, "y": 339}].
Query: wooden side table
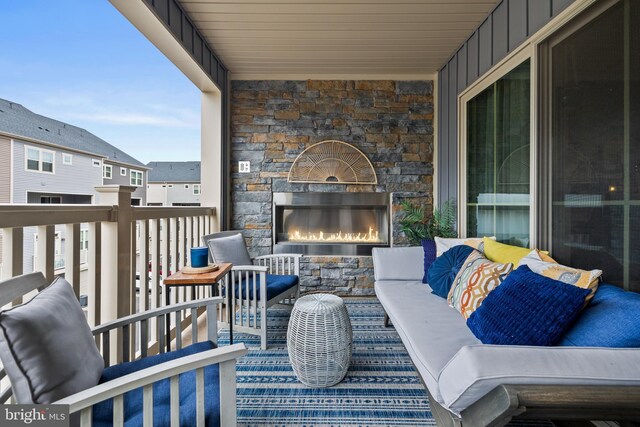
[{"x": 182, "y": 279}]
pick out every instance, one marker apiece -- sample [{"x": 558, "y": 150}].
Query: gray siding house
[
  {"x": 43, "y": 161},
  {"x": 174, "y": 184}
]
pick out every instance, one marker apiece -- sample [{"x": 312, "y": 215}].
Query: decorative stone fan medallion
[{"x": 332, "y": 162}]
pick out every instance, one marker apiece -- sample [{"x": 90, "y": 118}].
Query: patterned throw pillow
[
  {"x": 444, "y": 244},
  {"x": 573, "y": 276},
  {"x": 477, "y": 277}
]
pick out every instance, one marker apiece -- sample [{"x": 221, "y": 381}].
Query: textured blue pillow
[
  {"x": 429, "y": 247},
  {"x": 445, "y": 268},
  {"x": 610, "y": 320},
  {"x": 527, "y": 309}
]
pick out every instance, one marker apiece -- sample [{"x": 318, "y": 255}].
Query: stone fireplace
[
  {"x": 274, "y": 122},
  {"x": 330, "y": 223}
]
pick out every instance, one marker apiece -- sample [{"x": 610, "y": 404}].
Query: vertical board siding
[
  {"x": 539, "y": 14},
  {"x": 175, "y": 18},
  {"x": 443, "y": 126},
  {"x": 506, "y": 27},
  {"x": 517, "y": 23},
  {"x": 452, "y": 167},
  {"x": 179, "y": 24},
  {"x": 485, "y": 46},
  {"x": 559, "y": 5},
  {"x": 472, "y": 58},
  {"x": 500, "y": 36},
  {"x": 462, "y": 69}
]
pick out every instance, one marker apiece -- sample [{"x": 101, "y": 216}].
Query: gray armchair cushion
[
  {"x": 47, "y": 347},
  {"x": 229, "y": 249}
]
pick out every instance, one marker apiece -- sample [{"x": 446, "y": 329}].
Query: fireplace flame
[{"x": 320, "y": 236}]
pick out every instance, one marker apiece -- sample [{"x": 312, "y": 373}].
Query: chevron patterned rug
[{"x": 381, "y": 388}]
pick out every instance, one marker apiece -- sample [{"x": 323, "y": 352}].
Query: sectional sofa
[{"x": 473, "y": 384}]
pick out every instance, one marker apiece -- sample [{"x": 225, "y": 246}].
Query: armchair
[
  {"x": 254, "y": 284},
  {"x": 193, "y": 385}
]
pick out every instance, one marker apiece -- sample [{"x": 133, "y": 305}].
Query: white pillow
[{"x": 444, "y": 244}]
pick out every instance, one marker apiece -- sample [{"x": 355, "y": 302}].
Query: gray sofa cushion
[
  {"x": 47, "y": 347},
  {"x": 476, "y": 370},
  {"x": 431, "y": 331},
  {"x": 229, "y": 249},
  {"x": 404, "y": 263}
]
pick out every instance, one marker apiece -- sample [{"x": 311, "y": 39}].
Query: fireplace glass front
[{"x": 330, "y": 223}]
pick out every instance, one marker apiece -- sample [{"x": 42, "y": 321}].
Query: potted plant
[
  {"x": 421, "y": 229},
  {"x": 418, "y": 227}
]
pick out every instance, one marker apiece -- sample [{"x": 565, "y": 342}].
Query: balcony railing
[{"x": 130, "y": 251}]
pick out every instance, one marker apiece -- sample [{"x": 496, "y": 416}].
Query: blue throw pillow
[
  {"x": 527, "y": 309},
  {"x": 429, "y": 247},
  {"x": 610, "y": 320},
  {"x": 445, "y": 269}
]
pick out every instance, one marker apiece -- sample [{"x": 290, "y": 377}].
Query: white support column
[{"x": 211, "y": 153}]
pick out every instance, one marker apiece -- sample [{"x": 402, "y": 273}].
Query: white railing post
[
  {"x": 94, "y": 262},
  {"x": 46, "y": 249},
  {"x": 12, "y": 254},
  {"x": 72, "y": 256},
  {"x": 116, "y": 253}
]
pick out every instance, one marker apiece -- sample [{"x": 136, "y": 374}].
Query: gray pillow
[
  {"x": 47, "y": 348},
  {"x": 229, "y": 249}
]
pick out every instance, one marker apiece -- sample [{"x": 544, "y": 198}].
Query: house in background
[
  {"x": 173, "y": 184},
  {"x": 45, "y": 161}
]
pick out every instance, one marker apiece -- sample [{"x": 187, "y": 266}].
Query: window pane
[
  {"x": 596, "y": 146},
  {"x": 33, "y": 159},
  {"x": 47, "y": 161},
  {"x": 498, "y": 155},
  {"x": 33, "y": 154}
]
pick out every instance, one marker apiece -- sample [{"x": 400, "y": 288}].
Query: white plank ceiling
[{"x": 334, "y": 38}]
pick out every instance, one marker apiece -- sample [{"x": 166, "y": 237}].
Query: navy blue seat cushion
[
  {"x": 276, "y": 284},
  {"x": 527, "y": 309},
  {"x": 610, "y": 320},
  {"x": 103, "y": 411},
  {"x": 445, "y": 269},
  {"x": 429, "y": 248}
]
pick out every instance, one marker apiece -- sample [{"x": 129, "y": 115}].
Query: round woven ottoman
[{"x": 319, "y": 340}]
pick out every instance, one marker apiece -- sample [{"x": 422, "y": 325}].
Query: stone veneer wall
[{"x": 274, "y": 121}]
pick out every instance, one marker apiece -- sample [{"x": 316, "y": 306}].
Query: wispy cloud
[
  {"x": 118, "y": 108},
  {"x": 124, "y": 118}
]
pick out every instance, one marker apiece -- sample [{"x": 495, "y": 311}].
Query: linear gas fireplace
[{"x": 330, "y": 223}]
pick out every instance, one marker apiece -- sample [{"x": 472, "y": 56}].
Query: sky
[{"x": 83, "y": 63}]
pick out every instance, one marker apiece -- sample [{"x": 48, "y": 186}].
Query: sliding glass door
[
  {"x": 592, "y": 143},
  {"x": 497, "y": 160}
]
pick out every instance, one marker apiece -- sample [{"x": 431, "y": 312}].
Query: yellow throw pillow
[
  {"x": 581, "y": 278},
  {"x": 500, "y": 252}
]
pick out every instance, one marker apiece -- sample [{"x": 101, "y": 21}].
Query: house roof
[
  {"x": 174, "y": 171},
  {"x": 22, "y": 122}
]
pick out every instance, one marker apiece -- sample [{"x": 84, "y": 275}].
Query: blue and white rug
[{"x": 381, "y": 388}]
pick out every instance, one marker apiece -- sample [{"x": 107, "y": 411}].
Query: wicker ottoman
[{"x": 319, "y": 340}]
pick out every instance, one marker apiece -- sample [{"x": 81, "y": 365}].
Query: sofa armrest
[{"x": 401, "y": 263}]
